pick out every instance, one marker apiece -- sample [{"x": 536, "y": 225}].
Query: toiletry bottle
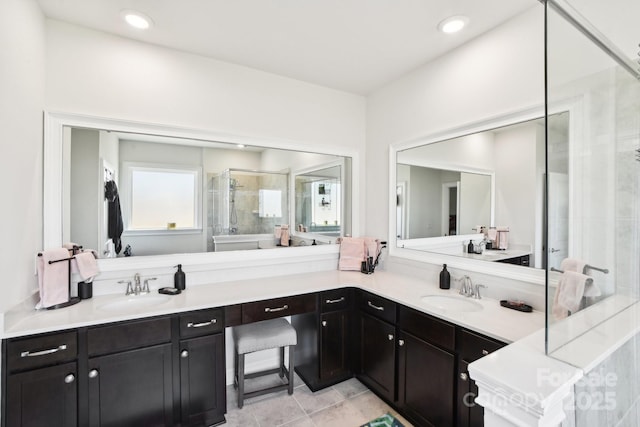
[
  {"x": 179, "y": 281},
  {"x": 445, "y": 278},
  {"x": 470, "y": 247}
]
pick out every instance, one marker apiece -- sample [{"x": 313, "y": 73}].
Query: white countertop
[{"x": 493, "y": 320}]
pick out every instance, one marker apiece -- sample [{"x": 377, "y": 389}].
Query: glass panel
[{"x": 593, "y": 183}]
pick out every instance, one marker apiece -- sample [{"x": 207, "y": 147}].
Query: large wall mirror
[
  {"x": 487, "y": 188},
  {"x": 182, "y": 191}
]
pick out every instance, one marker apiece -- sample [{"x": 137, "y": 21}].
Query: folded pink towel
[
  {"x": 572, "y": 264},
  {"x": 86, "y": 265},
  {"x": 569, "y": 293},
  {"x": 352, "y": 253},
  {"x": 53, "y": 279}
]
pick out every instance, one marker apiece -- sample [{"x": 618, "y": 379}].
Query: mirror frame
[
  {"x": 53, "y": 169},
  {"x": 524, "y": 274}
]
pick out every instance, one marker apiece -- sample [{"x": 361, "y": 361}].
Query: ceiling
[{"x": 351, "y": 45}]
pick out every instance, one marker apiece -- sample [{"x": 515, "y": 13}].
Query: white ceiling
[{"x": 351, "y": 45}]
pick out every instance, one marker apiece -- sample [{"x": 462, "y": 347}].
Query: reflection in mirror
[
  {"x": 187, "y": 196},
  {"x": 485, "y": 188},
  {"x": 318, "y": 203}
]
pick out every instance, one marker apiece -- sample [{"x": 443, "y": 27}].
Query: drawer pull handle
[
  {"x": 463, "y": 376},
  {"x": 334, "y": 301},
  {"x": 485, "y": 352},
  {"x": 324, "y": 323},
  {"x": 400, "y": 343},
  {"x": 93, "y": 373},
  {"x": 273, "y": 310},
  {"x": 390, "y": 337},
  {"x": 69, "y": 379},
  {"x": 201, "y": 324},
  {"x": 184, "y": 354},
  {"x": 375, "y": 306},
  {"x": 43, "y": 352}
]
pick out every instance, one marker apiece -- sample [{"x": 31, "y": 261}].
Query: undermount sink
[
  {"x": 451, "y": 303},
  {"x": 134, "y": 302}
]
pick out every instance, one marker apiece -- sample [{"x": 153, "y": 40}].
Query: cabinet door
[
  {"x": 377, "y": 355},
  {"x": 469, "y": 413},
  {"x": 425, "y": 381},
  {"x": 202, "y": 380},
  {"x": 43, "y": 397},
  {"x": 334, "y": 355},
  {"x": 133, "y": 388}
]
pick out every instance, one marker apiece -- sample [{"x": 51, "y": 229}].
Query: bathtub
[{"x": 236, "y": 242}]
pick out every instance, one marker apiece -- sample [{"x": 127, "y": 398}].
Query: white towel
[{"x": 53, "y": 279}]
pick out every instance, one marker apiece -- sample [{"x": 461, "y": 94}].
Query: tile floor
[{"x": 348, "y": 404}]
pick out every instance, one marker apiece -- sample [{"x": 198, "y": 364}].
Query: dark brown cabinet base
[{"x": 43, "y": 397}]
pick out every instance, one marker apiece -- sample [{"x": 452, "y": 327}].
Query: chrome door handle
[
  {"x": 390, "y": 336},
  {"x": 400, "y": 343},
  {"x": 464, "y": 376},
  {"x": 43, "y": 352},
  {"x": 184, "y": 354},
  {"x": 93, "y": 373},
  {"x": 273, "y": 310},
  {"x": 200, "y": 325},
  {"x": 375, "y": 306},
  {"x": 334, "y": 301},
  {"x": 484, "y": 352},
  {"x": 554, "y": 250},
  {"x": 69, "y": 378},
  {"x": 324, "y": 323}
]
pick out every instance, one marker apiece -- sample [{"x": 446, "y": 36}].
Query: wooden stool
[{"x": 258, "y": 336}]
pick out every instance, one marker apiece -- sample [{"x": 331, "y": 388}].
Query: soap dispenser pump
[
  {"x": 445, "y": 278},
  {"x": 179, "y": 281}
]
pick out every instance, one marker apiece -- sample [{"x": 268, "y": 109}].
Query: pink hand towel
[
  {"x": 86, "y": 265},
  {"x": 352, "y": 253},
  {"x": 572, "y": 264},
  {"x": 53, "y": 279},
  {"x": 569, "y": 293}
]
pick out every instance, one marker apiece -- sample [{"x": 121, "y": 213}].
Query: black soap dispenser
[
  {"x": 445, "y": 278},
  {"x": 179, "y": 281}
]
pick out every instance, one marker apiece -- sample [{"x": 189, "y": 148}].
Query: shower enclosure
[{"x": 245, "y": 207}]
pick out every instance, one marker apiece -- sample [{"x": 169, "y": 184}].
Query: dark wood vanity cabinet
[
  {"x": 323, "y": 353},
  {"x": 130, "y": 373},
  {"x": 376, "y": 349},
  {"x": 41, "y": 384},
  {"x": 202, "y": 368},
  {"x": 471, "y": 347},
  {"x": 426, "y": 368}
]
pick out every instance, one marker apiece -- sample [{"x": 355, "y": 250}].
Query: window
[{"x": 163, "y": 198}]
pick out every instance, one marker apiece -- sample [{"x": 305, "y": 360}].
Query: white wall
[
  {"x": 22, "y": 88},
  {"x": 498, "y": 73}
]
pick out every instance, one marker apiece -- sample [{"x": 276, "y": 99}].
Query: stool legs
[
  {"x": 281, "y": 371},
  {"x": 240, "y": 368},
  {"x": 290, "y": 373}
]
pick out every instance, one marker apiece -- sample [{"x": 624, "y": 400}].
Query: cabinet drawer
[
  {"x": 472, "y": 346},
  {"x": 428, "y": 328},
  {"x": 278, "y": 307},
  {"x": 125, "y": 336},
  {"x": 337, "y": 299},
  {"x": 379, "y": 307},
  {"x": 202, "y": 322},
  {"x": 41, "y": 350}
]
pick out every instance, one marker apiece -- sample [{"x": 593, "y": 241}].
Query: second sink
[{"x": 451, "y": 303}]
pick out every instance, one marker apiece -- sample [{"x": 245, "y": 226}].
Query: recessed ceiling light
[
  {"x": 136, "y": 19},
  {"x": 453, "y": 24}
]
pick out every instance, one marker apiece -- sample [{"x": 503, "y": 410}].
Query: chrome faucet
[
  {"x": 129, "y": 288},
  {"x": 466, "y": 286},
  {"x": 476, "y": 293},
  {"x": 136, "y": 286},
  {"x": 145, "y": 288}
]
